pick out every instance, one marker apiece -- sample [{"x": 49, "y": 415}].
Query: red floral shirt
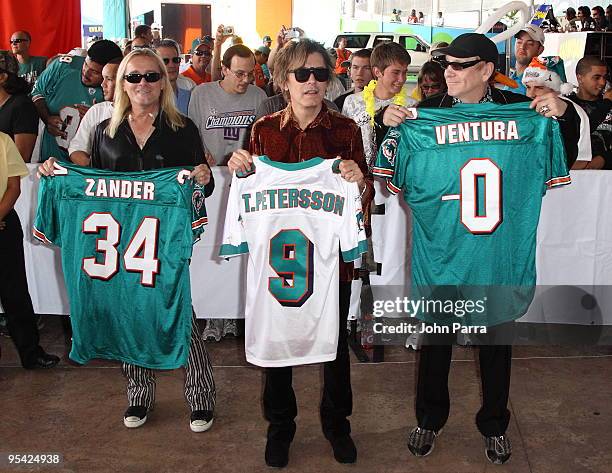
[{"x": 329, "y": 136}]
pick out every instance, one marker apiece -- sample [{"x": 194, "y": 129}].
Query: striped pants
[{"x": 199, "y": 382}]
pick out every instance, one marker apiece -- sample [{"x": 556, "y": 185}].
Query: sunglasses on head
[
  {"x": 18, "y": 40},
  {"x": 202, "y": 53},
  {"x": 135, "y": 78},
  {"x": 321, "y": 74},
  {"x": 457, "y": 66},
  {"x": 175, "y": 60}
]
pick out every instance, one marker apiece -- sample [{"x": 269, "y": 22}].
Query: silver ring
[{"x": 545, "y": 109}]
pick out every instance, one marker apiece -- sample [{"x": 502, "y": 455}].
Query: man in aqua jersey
[
  {"x": 30, "y": 67},
  {"x": 65, "y": 91},
  {"x": 466, "y": 173}
]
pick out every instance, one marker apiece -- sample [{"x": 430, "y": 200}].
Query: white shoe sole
[
  {"x": 133, "y": 422},
  {"x": 200, "y": 427}
]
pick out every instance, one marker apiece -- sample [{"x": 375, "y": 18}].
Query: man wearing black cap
[
  {"x": 469, "y": 64},
  {"x": 64, "y": 92}
]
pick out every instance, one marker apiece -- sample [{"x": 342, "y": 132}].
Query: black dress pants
[
  {"x": 280, "y": 408},
  {"x": 433, "y": 402},
  {"x": 14, "y": 295}
]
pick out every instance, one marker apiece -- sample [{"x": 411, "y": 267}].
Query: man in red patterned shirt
[{"x": 304, "y": 130}]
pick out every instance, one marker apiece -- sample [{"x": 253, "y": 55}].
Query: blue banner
[{"x": 93, "y": 30}]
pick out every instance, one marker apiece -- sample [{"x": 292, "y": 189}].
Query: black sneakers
[
  {"x": 43, "y": 360},
  {"x": 135, "y": 416},
  {"x": 344, "y": 448},
  {"x": 277, "y": 452},
  {"x": 201, "y": 421},
  {"x": 421, "y": 441},
  {"x": 498, "y": 449}
]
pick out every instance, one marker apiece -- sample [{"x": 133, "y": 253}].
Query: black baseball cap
[{"x": 470, "y": 45}]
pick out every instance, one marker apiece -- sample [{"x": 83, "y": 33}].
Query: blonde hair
[{"x": 122, "y": 104}]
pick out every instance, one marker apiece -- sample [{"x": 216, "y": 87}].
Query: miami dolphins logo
[
  {"x": 197, "y": 199},
  {"x": 389, "y": 148}
]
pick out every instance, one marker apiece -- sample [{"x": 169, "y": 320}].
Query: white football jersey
[{"x": 293, "y": 220}]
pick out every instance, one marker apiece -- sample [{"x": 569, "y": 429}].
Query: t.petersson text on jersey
[
  {"x": 293, "y": 219},
  {"x": 474, "y": 177},
  {"x": 126, "y": 240}
]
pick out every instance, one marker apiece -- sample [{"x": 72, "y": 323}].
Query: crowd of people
[{"x": 142, "y": 108}]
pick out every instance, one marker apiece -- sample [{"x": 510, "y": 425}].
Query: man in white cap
[{"x": 529, "y": 44}]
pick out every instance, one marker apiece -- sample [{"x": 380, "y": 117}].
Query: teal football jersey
[
  {"x": 474, "y": 176},
  {"x": 61, "y": 87},
  {"x": 126, "y": 241}
]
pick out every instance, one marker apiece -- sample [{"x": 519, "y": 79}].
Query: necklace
[
  {"x": 142, "y": 137},
  {"x": 370, "y": 99}
]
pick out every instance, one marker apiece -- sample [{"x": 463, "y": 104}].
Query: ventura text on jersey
[
  {"x": 271, "y": 199},
  {"x": 476, "y": 131}
]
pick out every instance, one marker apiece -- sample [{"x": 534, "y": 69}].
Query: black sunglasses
[
  {"x": 457, "y": 66},
  {"x": 18, "y": 40},
  {"x": 302, "y": 74},
  {"x": 175, "y": 60},
  {"x": 135, "y": 78},
  {"x": 202, "y": 53}
]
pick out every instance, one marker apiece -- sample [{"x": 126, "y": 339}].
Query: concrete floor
[{"x": 560, "y": 402}]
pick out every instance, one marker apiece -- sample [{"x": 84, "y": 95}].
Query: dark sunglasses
[
  {"x": 457, "y": 66},
  {"x": 431, "y": 87},
  {"x": 135, "y": 78},
  {"x": 202, "y": 53},
  {"x": 18, "y": 40},
  {"x": 175, "y": 60},
  {"x": 302, "y": 74}
]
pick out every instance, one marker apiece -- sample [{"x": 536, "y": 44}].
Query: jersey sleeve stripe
[
  {"x": 40, "y": 236},
  {"x": 382, "y": 172},
  {"x": 232, "y": 250},
  {"x": 37, "y": 97},
  {"x": 353, "y": 254},
  {"x": 558, "y": 181},
  {"x": 199, "y": 222},
  {"x": 393, "y": 189}
]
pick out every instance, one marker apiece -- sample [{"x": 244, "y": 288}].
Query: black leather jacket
[{"x": 164, "y": 148}]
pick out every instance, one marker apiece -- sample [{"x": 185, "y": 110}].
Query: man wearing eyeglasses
[
  {"x": 201, "y": 54},
  {"x": 64, "y": 92},
  {"x": 225, "y": 110},
  {"x": 30, "y": 67},
  {"x": 469, "y": 64},
  {"x": 170, "y": 53}
]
